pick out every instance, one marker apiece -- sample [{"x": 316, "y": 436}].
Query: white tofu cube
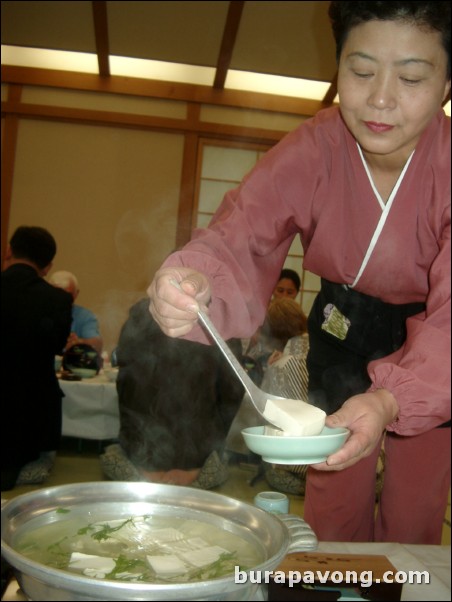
[
  {"x": 184, "y": 545},
  {"x": 167, "y": 565},
  {"x": 96, "y": 566},
  {"x": 204, "y": 556},
  {"x": 165, "y": 535},
  {"x": 295, "y": 417},
  {"x": 197, "y": 543}
]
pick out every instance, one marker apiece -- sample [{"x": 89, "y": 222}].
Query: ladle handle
[{"x": 224, "y": 348}]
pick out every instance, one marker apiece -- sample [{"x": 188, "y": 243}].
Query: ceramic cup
[{"x": 272, "y": 501}]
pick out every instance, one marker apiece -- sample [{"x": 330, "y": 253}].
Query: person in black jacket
[
  {"x": 177, "y": 400},
  {"x": 35, "y": 322}
]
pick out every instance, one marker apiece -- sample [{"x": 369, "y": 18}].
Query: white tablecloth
[
  {"x": 90, "y": 408},
  {"x": 434, "y": 559}
]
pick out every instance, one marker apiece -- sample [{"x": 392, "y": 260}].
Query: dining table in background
[{"x": 90, "y": 408}]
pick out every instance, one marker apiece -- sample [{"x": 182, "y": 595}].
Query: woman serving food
[{"x": 366, "y": 185}]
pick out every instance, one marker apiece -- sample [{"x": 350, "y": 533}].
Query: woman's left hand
[{"x": 366, "y": 415}]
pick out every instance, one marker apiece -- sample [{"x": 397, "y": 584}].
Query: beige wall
[
  {"x": 110, "y": 198},
  {"x": 110, "y": 193}
]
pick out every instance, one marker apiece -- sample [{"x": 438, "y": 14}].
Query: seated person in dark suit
[
  {"x": 35, "y": 323},
  {"x": 177, "y": 400}
]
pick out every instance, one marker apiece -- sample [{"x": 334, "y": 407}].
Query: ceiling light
[
  {"x": 161, "y": 70},
  {"x": 276, "y": 84},
  {"x": 40, "y": 58}
]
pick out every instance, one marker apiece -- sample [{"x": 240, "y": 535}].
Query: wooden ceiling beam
[
  {"x": 132, "y": 86},
  {"x": 330, "y": 95},
  {"x": 101, "y": 36},
  {"x": 227, "y": 43}
]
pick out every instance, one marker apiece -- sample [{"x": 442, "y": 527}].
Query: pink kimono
[{"x": 315, "y": 183}]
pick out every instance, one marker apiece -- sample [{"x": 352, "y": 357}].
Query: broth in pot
[{"x": 137, "y": 548}]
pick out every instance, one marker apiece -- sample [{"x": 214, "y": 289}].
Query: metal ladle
[{"x": 258, "y": 397}]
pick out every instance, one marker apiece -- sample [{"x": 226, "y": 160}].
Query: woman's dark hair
[
  {"x": 33, "y": 243},
  {"x": 432, "y": 15},
  {"x": 290, "y": 275}
]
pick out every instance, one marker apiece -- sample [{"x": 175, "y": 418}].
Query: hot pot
[{"x": 274, "y": 536}]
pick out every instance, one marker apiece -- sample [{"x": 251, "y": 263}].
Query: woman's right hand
[{"x": 176, "y": 295}]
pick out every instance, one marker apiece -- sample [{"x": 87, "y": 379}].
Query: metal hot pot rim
[{"x": 274, "y": 536}]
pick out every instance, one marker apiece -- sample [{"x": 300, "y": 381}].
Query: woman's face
[{"x": 392, "y": 81}]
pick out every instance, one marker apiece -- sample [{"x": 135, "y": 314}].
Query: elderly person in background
[
  {"x": 287, "y": 287},
  {"x": 36, "y": 321},
  {"x": 285, "y": 321},
  {"x": 286, "y": 374},
  {"x": 85, "y": 326}
]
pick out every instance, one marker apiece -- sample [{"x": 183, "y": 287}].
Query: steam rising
[{"x": 177, "y": 398}]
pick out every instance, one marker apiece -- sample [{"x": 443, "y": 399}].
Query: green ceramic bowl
[{"x": 278, "y": 449}]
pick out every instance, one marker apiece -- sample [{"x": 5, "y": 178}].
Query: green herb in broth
[
  {"x": 60, "y": 561},
  {"x": 55, "y": 548},
  {"x": 105, "y": 530},
  {"x": 60, "y": 557},
  {"x": 129, "y": 541},
  {"x": 126, "y": 565},
  {"x": 220, "y": 568}
]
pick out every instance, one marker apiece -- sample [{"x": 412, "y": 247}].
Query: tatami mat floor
[{"x": 79, "y": 463}]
